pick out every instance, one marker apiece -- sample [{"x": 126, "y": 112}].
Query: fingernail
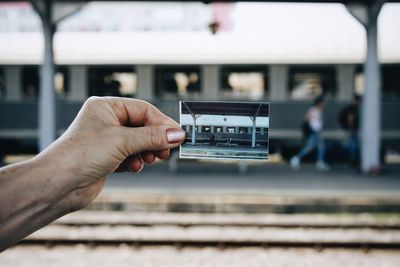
[{"x": 175, "y": 135}]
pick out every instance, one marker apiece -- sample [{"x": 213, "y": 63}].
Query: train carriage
[{"x": 165, "y": 67}]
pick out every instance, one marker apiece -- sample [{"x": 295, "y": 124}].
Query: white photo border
[{"x": 221, "y": 158}]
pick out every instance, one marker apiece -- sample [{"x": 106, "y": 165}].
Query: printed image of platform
[
  {"x": 225, "y": 130},
  {"x": 226, "y": 152}
]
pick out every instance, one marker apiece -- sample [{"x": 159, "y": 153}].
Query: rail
[{"x": 221, "y": 231}]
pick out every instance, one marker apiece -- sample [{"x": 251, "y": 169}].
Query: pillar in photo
[
  {"x": 194, "y": 117},
  {"x": 253, "y": 133},
  {"x": 194, "y": 131}
]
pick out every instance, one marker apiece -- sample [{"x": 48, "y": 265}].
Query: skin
[{"x": 109, "y": 134}]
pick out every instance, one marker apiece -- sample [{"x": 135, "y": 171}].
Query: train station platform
[
  {"x": 225, "y": 151},
  {"x": 272, "y": 187}
]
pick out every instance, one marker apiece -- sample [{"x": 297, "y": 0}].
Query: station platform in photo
[{"x": 225, "y": 151}]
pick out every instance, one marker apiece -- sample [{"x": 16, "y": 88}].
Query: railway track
[
  {"x": 221, "y": 231},
  {"x": 216, "y": 244},
  {"x": 236, "y": 223}
]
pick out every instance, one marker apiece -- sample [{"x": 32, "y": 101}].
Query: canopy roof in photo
[{"x": 225, "y": 108}]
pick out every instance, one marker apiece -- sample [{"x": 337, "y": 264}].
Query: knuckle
[
  {"x": 92, "y": 101},
  {"x": 156, "y": 137}
]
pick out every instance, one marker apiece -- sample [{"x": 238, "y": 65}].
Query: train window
[
  {"x": 30, "y": 81},
  {"x": 187, "y": 128},
  {"x": 307, "y": 82},
  {"x": 218, "y": 129},
  {"x": 206, "y": 129},
  {"x": 61, "y": 81},
  {"x": 177, "y": 81},
  {"x": 359, "y": 83},
  {"x": 391, "y": 82},
  {"x": 390, "y": 74},
  {"x": 243, "y": 82},
  {"x": 230, "y": 130},
  {"x": 243, "y": 130},
  {"x": 112, "y": 81},
  {"x": 2, "y": 84}
]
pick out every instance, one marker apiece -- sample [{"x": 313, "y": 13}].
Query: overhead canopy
[
  {"x": 293, "y": 1},
  {"x": 226, "y": 108},
  {"x": 286, "y": 42}
]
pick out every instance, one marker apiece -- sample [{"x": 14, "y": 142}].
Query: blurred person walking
[
  {"x": 312, "y": 128},
  {"x": 348, "y": 118}
]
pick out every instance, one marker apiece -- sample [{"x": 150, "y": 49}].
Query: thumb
[{"x": 152, "y": 138}]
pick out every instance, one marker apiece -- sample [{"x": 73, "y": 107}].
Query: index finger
[{"x": 142, "y": 113}]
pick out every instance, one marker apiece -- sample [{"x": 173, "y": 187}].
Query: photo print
[{"x": 224, "y": 130}]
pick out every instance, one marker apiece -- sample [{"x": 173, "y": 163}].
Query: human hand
[{"x": 110, "y": 134}]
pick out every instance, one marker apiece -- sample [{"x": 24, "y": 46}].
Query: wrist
[
  {"x": 55, "y": 180},
  {"x": 71, "y": 187},
  {"x": 31, "y": 196}
]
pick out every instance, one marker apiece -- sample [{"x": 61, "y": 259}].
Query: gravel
[
  {"x": 220, "y": 233},
  {"x": 124, "y": 255}
]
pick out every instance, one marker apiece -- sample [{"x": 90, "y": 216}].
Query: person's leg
[
  {"x": 320, "y": 148},
  {"x": 311, "y": 142},
  {"x": 352, "y": 145},
  {"x": 321, "y": 164},
  {"x": 309, "y": 145}
]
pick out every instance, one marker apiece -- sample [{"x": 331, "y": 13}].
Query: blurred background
[{"x": 56, "y": 54}]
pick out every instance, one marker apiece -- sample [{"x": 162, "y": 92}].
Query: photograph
[{"x": 224, "y": 130}]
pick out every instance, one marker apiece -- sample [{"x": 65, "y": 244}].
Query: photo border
[{"x": 224, "y": 158}]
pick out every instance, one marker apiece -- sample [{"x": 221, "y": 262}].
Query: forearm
[
  {"x": 108, "y": 134},
  {"x": 31, "y": 196}
]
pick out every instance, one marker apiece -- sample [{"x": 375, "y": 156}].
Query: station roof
[
  {"x": 226, "y": 108},
  {"x": 325, "y": 34},
  {"x": 211, "y": 1}
]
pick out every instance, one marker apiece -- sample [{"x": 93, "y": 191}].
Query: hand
[{"x": 110, "y": 134}]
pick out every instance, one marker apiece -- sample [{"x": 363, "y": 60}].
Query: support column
[
  {"x": 278, "y": 85},
  {"x": 13, "y": 83},
  {"x": 194, "y": 117},
  {"x": 47, "y": 94},
  {"x": 194, "y": 131},
  {"x": 210, "y": 82},
  {"x": 253, "y": 133},
  {"x": 345, "y": 81},
  {"x": 367, "y": 15},
  {"x": 78, "y": 83},
  {"x": 145, "y": 77},
  {"x": 371, "y": 104}
]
